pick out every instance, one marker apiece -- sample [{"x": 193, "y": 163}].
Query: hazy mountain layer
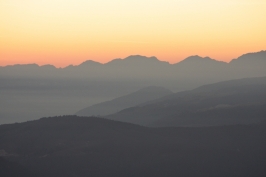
[
  {"x": 240, "y": 101},
  {"x": 81, "y": 146},
  {"x": 126, "y": 101},
  {"x": 191, "y": 72},
  {"x": 30, "y": 91}
]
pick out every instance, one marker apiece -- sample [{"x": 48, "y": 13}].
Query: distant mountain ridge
[
  {"x": 246, "y": 57},
  {"x": 150, "y": 68},
  {"x": 259, "y": 55},
  {"x": 187, "y": 74},
  {"x": 197, "y": 58}
]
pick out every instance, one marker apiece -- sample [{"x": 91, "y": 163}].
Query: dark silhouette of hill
[
  {"x": 89, "y": 146},
  {"x": 240, "y": 101},
  {"x": 126, "y": 101},
  {"x": 40, "y": 91},
  {"x": 13, "y": 169}
]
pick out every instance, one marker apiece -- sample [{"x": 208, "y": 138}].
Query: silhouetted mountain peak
[
  {"x": 48, "y": 66},
  {"x": 196, "y": 62},
  {"x": 198, "y": 59},
  {"x": 136, "y": 59},
  {"x": 90, "y": 63},
  {"x": 32, "y": 65},
  {"x": 140, "y": 57},
  {"x": 251, "y": 57},
  {"x": 69, "y": 66},
  {"x": 193, "y": 57}
]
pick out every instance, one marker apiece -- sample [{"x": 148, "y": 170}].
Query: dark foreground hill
[
  {"x": 13, "y": 169},
  {"x": 126, "y": 101},
  {"x": 241, "y": 101},
  {"x": 87, "y": 146}
]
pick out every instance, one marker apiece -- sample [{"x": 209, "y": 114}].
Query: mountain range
[
  {"x": 30, "y": 91},
  {"x": 149, "y": 68}
]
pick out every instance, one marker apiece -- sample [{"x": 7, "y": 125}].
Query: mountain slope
[
  {"x": 231, "y": 102},
  {"x": 88, "y": 146},
  {"x": 248, "y": 65},
  {"x": 130, "y": 100}
]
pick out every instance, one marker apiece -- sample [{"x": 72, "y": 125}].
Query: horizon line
[{"x": 134, "y": 55}]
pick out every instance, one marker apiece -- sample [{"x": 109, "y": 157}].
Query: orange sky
[{"x": 63, "y": 32}]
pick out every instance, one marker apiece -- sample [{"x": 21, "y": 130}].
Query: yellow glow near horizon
[{"x": 63, "y": 32}]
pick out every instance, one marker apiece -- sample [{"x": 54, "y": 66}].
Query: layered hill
[
  {"x": 39, "y": 91},
  {"x": 126, "y": 101},
  {"x": 89, "y": 146},
  {"x": 240, "y": 101}
]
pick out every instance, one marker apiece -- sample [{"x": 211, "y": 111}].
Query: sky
[{"x": 64, "y": 32}]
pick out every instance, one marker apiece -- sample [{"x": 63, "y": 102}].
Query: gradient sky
[{"x": 63, "y": 32}]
